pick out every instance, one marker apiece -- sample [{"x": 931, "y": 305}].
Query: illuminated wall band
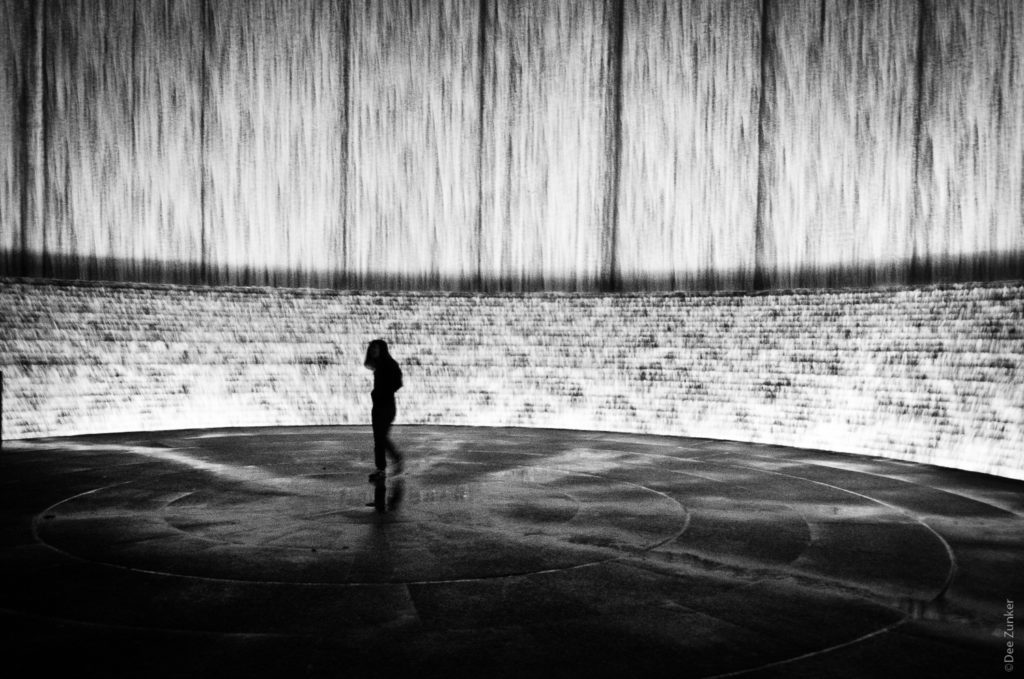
[{"x": 932, "y": 374}]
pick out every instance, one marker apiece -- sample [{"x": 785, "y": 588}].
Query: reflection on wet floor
[
  {"x": 671, "y": 550},
  {"x": 387, "y": 495}
]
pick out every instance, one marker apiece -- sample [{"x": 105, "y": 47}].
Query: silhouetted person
[{"x": 387, "y": 379}]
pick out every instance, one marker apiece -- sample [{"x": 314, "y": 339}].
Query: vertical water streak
[
  {"x": 917, "y": 226},
  {"x": 766, "y": 92},
  {"x": 971, "y": 168},
  {"x": 560, "y": 144},
  {"x": 167, "y": 134},
  {"x": 611, "y": 278},
  {"x": 34, "y": 257},
  {"x": 89, "y": 230},
  {"x": 546, "y": 149},
  {"x": 690, "y": 116},
  {"x": 274, "y": 134},
  {"x": 413, "y": 197},
  {"x": 16, "y": 51},
  {"x": 204, "y": 181},
  {"x": 841, "y": 186},
  {"x": 482, "y": 61},
  {"x": 689, "y": 156},
  {"x": 341, "y": 275}
]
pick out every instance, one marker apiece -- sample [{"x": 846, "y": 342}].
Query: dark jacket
[{"x": 387, "y": 379}]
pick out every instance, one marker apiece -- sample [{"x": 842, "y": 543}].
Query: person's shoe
[{"x": 378, "y": 475}]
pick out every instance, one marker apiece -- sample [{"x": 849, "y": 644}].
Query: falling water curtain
[{"x": 513, "y": 144}]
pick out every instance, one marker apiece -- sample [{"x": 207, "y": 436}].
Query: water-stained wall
[{"x": 513, "y": 144}]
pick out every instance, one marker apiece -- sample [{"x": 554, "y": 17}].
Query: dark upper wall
[{"x": 481, "y": 144}]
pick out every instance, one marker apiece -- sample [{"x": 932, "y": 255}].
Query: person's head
[{"x": 377, "y": 350}]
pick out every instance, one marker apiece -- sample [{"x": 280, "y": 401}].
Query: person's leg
[
  {"x": 396, "y": 457},
  {"x": 380, "y": 439}
]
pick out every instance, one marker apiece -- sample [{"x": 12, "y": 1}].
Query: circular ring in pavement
[
  {"x": 325, "y": 528},
  {"x": 512, "y": 551}
]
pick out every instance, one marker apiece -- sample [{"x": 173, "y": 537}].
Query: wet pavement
[{"x": 498, "y": 553}]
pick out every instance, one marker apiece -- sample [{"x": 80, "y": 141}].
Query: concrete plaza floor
[{"x": 265, "y": 552}]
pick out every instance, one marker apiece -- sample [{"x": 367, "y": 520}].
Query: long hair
[{"x": 382, "y": 353}]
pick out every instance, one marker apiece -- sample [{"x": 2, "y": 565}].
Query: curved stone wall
[{"x": 931, "y": 375}]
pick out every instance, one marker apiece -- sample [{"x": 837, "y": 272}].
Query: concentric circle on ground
[
  {"x": 524, "y": 548},
  {"x": 338, "y": 528}
]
